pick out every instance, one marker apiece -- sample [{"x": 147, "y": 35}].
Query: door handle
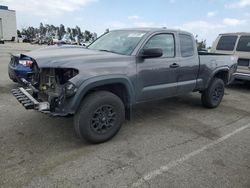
[{"x": 174, "y": 65}]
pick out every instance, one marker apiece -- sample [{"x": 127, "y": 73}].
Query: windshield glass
[{"x": 120, "y": 42}]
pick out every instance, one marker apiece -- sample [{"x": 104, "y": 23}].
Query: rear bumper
[
  {"x": 12, "y": 73},
  {"x": 29, "y": 102},
  {"x": 242, "y": 76}
]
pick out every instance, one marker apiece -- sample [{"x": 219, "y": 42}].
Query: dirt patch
[{"x": 7, "y": 88}]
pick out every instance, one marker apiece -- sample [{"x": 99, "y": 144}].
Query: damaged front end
[{"x": 48, "y": 90}]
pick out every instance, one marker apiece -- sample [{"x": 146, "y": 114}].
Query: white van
[{"x": 235, "y": 44}]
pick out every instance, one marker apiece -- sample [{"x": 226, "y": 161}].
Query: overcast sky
[{"x": 205, "y": 18}]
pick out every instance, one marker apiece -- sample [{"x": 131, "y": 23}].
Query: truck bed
[
  {"x": 210, "y": 53},
  {"x": 211, "y": 59},
  {"x": 217, "y": 59},
  {"x": 211, "y": 62}
]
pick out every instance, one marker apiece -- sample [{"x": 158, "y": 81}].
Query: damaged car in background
[
  {"x": 20, "y": 68},
  {"x": 101, "y": 84}
]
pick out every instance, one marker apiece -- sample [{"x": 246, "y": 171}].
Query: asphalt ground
[{"x": 170, "y": 143}]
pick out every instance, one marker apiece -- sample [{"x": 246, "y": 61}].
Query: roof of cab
[
  {"x": 236, "y": 33},
  {"x": 152, "y": 29}
]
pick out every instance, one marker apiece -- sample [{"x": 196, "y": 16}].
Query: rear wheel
[
  {"x": 212, "y": 96},
  {"x": 100, "y": 117}
]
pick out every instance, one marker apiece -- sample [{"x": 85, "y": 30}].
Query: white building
[{"x": 8, "y": 28}]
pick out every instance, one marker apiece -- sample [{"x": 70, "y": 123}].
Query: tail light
[{"x": 26, "y": 63}]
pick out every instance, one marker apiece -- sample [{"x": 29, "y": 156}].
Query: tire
[
  {"x": 12, "y": 78},
  {"x": 100, "y": 117},
  {"x": 212, "y": 96},
  {"x": 15, "y": 80}
]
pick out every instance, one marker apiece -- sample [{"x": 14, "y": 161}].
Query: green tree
[
  {"x": 47, "y": 30},
  {"x": 74, "y": 32},
  {"x": 42, "y": 30},
  {"x": 61, "y": 31},
  {"x": 18, "y": 32},
  {"x": 29, "y": 32},
  {"x": 79, "y": 32},
  {"x": 87, "y": 35},
  {"x": 200, "y": 44}
]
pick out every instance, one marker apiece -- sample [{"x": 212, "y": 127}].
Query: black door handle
[{"x": 174, "y": 65}]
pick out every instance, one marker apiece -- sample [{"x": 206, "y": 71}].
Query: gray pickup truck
[{"x": 102, "y": 83}]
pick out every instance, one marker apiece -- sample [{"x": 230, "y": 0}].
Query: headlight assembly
[{"x": 70, "y": 89}]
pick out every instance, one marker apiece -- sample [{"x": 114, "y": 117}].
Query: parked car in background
[
  {"x": 23, "y": 38},
  {"x": 19, "y": 69},
  {"x": 85, "y": 43},
  {"x": 1, "y": 41},
  {"x": 235, "y": 44}
]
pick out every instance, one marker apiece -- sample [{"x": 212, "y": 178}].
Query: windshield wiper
[{"x": 109, "y": 51}]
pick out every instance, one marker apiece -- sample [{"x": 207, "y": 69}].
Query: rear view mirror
[{"x": 151, "y": 53}]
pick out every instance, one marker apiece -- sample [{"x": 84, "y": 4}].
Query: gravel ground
[{"x": 170, "y": 143}]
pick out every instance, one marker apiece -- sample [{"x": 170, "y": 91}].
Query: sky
[{"x": 205, "y": 18}]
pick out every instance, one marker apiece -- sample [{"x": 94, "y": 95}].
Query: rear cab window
[
  {"x": 187, "y": 45},
  {"x": 227, "y": 43},
  {"x": 244, "y": 44}
]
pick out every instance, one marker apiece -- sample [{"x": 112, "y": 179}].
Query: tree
[
  {"x": 18, "y": 33},
  {"x": 79, "y": 32},
  {"x": 94, "y": 37},
  {"x": 74, "y": 32},
  {"x": 29, "y": 32},
  {"x": 69, "y": 32},
  {"x": 61, "y": 31},
  {"x": 42, "y": 30},
  {"x": 48, "y": 31},
  {"x": 200, "y": 44},
  {"x": 87, "y": 35},
  {"x": 53, "y": 30}
]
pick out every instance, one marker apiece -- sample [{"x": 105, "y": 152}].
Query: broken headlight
[{"x": 70, "y": 89}]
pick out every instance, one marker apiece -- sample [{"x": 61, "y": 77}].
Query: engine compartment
[
  {"x": 51, "y": 84},
  {"x": 52, "y": 80}
]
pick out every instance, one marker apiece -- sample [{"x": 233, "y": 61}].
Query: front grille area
[{"x": 243, "y": 62}]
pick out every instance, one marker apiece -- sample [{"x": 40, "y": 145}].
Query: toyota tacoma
[{"x": 100, "y": 84}]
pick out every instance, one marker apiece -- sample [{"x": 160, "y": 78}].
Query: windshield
[{"x": 120, "y": 42}]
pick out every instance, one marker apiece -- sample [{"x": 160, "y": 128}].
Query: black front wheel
[
  {"x": 100, "y": 117},
  {"x": 212, "y": 96}
]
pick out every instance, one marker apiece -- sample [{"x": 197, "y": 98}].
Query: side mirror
[{"x": 151, "y": 53}]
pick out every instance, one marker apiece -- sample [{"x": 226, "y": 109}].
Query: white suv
[{"x": 235, "y": 44}]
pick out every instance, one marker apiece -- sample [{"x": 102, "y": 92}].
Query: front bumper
[
  {"x": 29, "y": 102},
  {"x": 25, "y": 97}
]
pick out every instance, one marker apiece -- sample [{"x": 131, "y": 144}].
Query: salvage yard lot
[{"x": 170, "y": 143}]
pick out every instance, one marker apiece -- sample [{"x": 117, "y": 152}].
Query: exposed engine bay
[
  {"x": 46, "y": 88},
  {"x": 53, "y": 80},
  {"x": 53, "y": 84}
]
